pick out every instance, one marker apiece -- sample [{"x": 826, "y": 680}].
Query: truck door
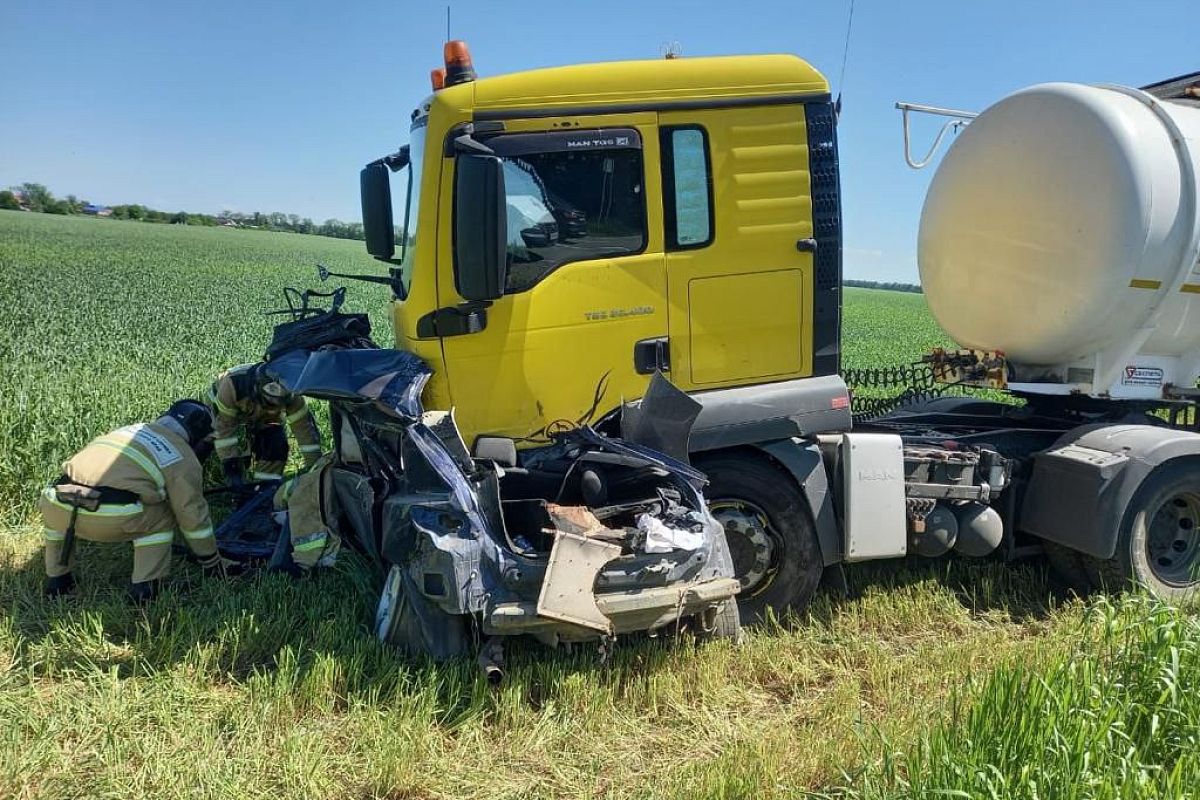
[
  {"x": 586, "y": 280},
  {"x": 740, "y": 246}
]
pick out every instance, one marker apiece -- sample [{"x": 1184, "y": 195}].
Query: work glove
[
  {"x": 234, "y": 472},
  {"x": 218, "y": 566}
]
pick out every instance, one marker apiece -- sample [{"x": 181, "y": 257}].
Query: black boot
[
  {"x": 143, "y": 592},
  {"x": 60, "y": 585}
]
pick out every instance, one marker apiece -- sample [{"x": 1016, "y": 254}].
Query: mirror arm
[
  {"x": 461, "y": 139},
  {"x": 393, "y": 279},
  {"x": 395, "y": 161},
  {"x": 468, "y": 144}
]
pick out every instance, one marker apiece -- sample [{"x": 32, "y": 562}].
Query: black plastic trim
[
  {"x": 459, "y": 320},
  {"x": 651, "y": 105},
  {"x": 652, "y": 355},
  {"x": 825, "y": 189}
]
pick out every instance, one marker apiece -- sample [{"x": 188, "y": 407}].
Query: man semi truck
[{"x": 569, "y": 232}]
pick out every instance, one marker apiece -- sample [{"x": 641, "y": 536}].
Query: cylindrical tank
[{"x": 1063, "y": 221}]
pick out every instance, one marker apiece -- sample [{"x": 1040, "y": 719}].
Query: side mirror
[
  {"x": 480, "y": 228},
  {"x": 378, "y": 225}
]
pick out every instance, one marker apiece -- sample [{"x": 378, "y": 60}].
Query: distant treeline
[
  {"x": 37, "y": 198},
  {"x": 891, "y": 287}
]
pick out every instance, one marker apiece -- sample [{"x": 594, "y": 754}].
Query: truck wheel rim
[
  {"x": 753, "y": 543},
  {"x": 1173, "y": 540}
]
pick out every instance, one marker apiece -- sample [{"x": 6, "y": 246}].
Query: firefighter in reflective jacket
[
  {"x": 307, "y": 499},
  {"x": 249, "y": 399},
  {"x": 141, "y": 484}
]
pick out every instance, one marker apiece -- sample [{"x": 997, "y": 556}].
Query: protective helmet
[
  {"x": 270, "y": 387},
  {"x": 195, "y": 417}
]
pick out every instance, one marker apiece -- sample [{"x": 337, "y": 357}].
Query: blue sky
[{"x": 275, "y": 106}]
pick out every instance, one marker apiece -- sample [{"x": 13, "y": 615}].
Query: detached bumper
[{"x": 635, "y": 610}]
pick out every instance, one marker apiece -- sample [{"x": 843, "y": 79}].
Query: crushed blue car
[{"x": 582, "y": 539}]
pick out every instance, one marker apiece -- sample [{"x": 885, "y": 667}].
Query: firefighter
[
  {"x": 306, "y": 499},
  {"x": 251, "y": 400},
  {"x": 140, "y": 484}
]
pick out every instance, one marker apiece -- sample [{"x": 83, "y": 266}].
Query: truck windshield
[{"x": 412, "y": 205}]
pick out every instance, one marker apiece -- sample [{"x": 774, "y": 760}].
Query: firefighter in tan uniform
[
  {"x": 250, "y": 400},
  {"x": 140, "y": 484},
  {"x": 305, "y": 498}
]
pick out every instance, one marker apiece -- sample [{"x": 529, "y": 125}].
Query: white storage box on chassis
[
  {"x": 876, "y": 519},
  {"x": 1062, "y": 230}
]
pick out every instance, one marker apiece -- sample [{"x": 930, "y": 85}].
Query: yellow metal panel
[
  {"x": 561, "y": 351},
  {"x": 434, "y": 222},
  {"x": 649, "y": 82},
  {"x": 734, "y": 346},
  {"x": 1144, "y": 283},
  {"x": 564, "y": 349},
  {"x": 741, "y": 308}
]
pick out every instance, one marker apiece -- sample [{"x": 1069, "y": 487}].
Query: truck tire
[
  {"x": 770, "y": 532},
  {"x": 1158, "y": 546},
  {"x": 1069, "y": 565},
  {"x": 726, "y": 624}
]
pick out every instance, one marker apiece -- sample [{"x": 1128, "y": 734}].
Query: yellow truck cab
[{"x": 571, "y": 231}]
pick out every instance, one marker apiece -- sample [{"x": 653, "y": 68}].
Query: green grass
[
  {"x": 882, "y": 328},
  {"x": 105, "y": 322},
  {"x": 950, "y": 676}
]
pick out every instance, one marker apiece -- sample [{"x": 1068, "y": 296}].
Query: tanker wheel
[
  {"x": 770, "y": 533},
  {"x": 1069, "y": 565},
  {"x": 1158, "y": 546}
]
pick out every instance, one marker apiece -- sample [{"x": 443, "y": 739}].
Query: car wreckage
[{"x": 578, "y": 539}]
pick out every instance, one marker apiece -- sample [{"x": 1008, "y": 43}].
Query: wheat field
[{"x": 947, "y": 678}]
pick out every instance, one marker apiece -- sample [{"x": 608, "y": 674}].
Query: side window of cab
[
  {"x": 687, "y": 187},
  {"x": 570, "y": 196}
]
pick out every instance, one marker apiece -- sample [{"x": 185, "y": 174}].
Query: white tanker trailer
[
  {"x": 1058, "y": 247},
  {"x": 1062, "y": 231}
]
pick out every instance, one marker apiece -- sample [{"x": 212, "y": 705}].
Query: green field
[{"x": 947, "y": 676}]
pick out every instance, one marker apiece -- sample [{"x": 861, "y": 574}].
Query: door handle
[
  {"x": 652, "y": 355},
  {"x": 807, "y": 245}
]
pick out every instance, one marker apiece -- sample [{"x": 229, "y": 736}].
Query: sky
[{"x": 275, "y": 106}]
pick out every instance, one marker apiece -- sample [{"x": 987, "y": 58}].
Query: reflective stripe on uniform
[
  {"x": 229, "y": 441},
  {"x": 104, "y": 510},
  {"x": 312, "y": 542},
  {"x": 53, "y": 535},
  {"x": 310, "y": 448},
  {"x": 221, "y": 407},
  {"x": 295, "y": 415},
  {"x": 127, "y": 450},
  {"x": 267, "y": 476},
  {"x": 203, "y": 533},
  {"x": 166, "y": 537}
]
